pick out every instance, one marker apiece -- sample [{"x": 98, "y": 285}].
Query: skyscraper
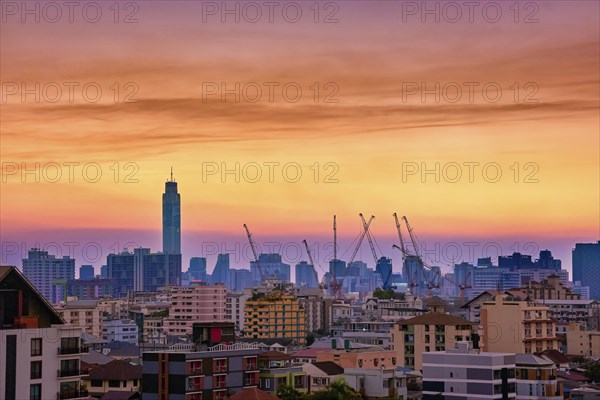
[
  {"x": 48, "y": 273},
  {"x": 86, "y": 272},
  {"x": 306, "y": 276},
  {"x": 197, "y": 268},
  {"x": 586, "y": 267},
  {"x": 171, "y": 214},
  {"x": 221, "y": 272}
]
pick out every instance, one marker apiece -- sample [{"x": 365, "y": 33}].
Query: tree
[
  {"x": 310, "y": 339},
  {"x": 338, "y": 390},
  {"x": 592, "y": 371},
  {"x": 288, "y": 392},
  {"x": 388, "y": 294}
]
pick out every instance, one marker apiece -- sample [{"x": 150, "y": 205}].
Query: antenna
[{"x": 172, "y": 175}]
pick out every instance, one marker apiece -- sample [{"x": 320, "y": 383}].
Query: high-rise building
[
  {"x": 48, "y": 273},
  {"x": 586, "y": 266},
  {"x": 86, "y": 272},
  {"x": 39, "y": 355},
  {"x": 142, "y": 271},
  {"x": 384, "y": 269},
  {"x": 171, "y": 215},
  {"x": 274, "y": 317},
  {"x": 271, "y": 266},
  {"x": 221, "y": 272},
  {"x": 306, "y": 276},
  {"x": 239, "y": 280},
  {"x": 197, "y": 269}
]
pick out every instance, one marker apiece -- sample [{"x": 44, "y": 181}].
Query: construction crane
[
  {"x": 402, "y": 248},
  {"x": 310, "y": 259},
  {"x": 369, "y": 238},
  {"x": 336, "y": 286},
  {"x": 252, "y": 246},
  {"x": 360, "y": 239}
]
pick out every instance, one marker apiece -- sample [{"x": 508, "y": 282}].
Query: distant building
[
  {"x": 192, "y": 304},
  {"x": 384, "y": 269},
  {"x": 306, "y": 276},
  {"x": 239, "y": 280},
  {"x": 197, "y": 269},
  {"x": 48, "y": 273},
  {"x": 40, "y": 355},
  {"x": 85, "y": 314},
  {"x": 515, "y": 262},
  {"x": 142, "y": 271},
  {"x": 221, "y": 271},
  {"x": 86, "y": 272},
  {"x": 171, "y": 216},
  {"x": 275, "y": 316},
  {"x": 88, "y": 289},
  {"x": 586, "y": 266},
  {"x": 462, "y": 374},
  {"x": 581, "y": 342},
  {"x": 272, "y": 266}
]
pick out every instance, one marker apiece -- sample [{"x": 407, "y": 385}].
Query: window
[
  {"x": 114, "y": 384},
  {"x": 36, "y": 370},
  {"x": 96, "y": 383},
  {"x": 35, "y": 392},
  {"x": 36, "y": 347}
]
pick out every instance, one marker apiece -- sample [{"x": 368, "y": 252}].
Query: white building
[
  {"x": 377, "y": 383},
  {"x": 39, "y": 353},
  {"x": 234, "y": 309},
  {"x": 49, "y": 274},
  {"x": 120, "y": 330}
]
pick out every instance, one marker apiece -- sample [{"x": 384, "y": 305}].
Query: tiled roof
[
  {"x": 252, "y": 394},
  {"x": 555, "y": 356},
  {"x": 329, "y": 367},
  {"x": 116, "y": 370},
  {"x": 436, "y": 319},
  {"x": 273, "y": 355}
]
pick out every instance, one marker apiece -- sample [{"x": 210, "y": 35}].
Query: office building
[
  {"x": 306, "y": 276},
  {"x": 384, "y": 269},
  {"x": 239, "y": 280},
  {"x": 171, "y": 215},
  {"x": 49, "y": 274},
  {"x": 193, "y": 304},
  {"x": 272, "y": 267},
  {"x": 39, "y": 354},
  {"x": 586, "y": 266},
  {"x": 197, "y": 269},
  {"x": 142, "y": 271},
  {"x": 86, "y": 272},
  {"x": 221, "y": 271}
]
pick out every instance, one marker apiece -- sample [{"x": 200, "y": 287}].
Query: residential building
[
  {"x": 275, "y": 316},
  {"x": 115, "y": 376},
  {"x": 204, "y": 369},
  {"x": 586, "y": 266},
  {"x": 536, "y": 379},
  {"x": 550, "y": 288},
  {"x": 513, "y": 325},
  {"x": 39, "y": 354},
  {"x": 276, "y": 370},
  {"x": 584, "y": 312},
  {"x": 120, "y": 330},
  {"x": 377, "y": 383},
  {"x": 460, "y": 373},
  {"x": 583, "y": 342},
  {"x": 48, "y": 273},
  {"x": 88, "y": 289},
  {"x": 199, "y": 302},
  {"x": 317, "y": 308},
  {"x": 367, "y": 357},
  {"x": 320, "y": 375},
  {"x": 393, "y": 309},
  {"x": 428, "y": 332},
  {"x": 85, "y": 314},
  {"x": 234, "y": 309},
  {"x": 538, "y": 275},
  {"x": 171, "y": 216}
]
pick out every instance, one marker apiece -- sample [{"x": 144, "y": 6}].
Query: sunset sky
[{"x": 366, "y": 61}]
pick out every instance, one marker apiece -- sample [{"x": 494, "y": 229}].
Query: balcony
[
  {"x": 62, "y": 351},
  {"x": 61, "y": 373},
  {"x": 71, "y": 394},
  {"x": 250, "y": 382},
  {"x": 251, "y": 367}
]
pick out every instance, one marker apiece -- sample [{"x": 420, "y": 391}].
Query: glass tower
[{"x": 171, "y": 214}]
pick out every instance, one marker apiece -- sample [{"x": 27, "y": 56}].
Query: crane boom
[
  {"x": 311, "y": 260},
  {"x": 254, "y": 251},
  {"x": 334, "y": 239},
  {"x": 362, "y": 236},
  {"x": 369, "y": 238},
  {"x": 402, "y": 248},
  {"x": 412, "y": 239}
]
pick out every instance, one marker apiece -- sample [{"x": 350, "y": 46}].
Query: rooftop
[
  {"x": 116, "y": 370},
  {"x": 436, "y": 319},
  {"x": 329, "y": 367}
]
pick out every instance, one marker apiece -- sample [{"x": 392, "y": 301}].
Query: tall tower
[{"x": 171, "y": 214}]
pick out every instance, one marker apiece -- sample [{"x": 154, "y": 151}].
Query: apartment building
[
  {"x": 85, "y": 314},
  {"x": 536, "y": 379},
  {"x": 277, "y": 370},
  {"x": 234, "y": 309},
  {"x": 318, "y": 309},
  {"x": 466, "y": 374},
  {"x": 120, "y": 330},
  {"x": 207, "y": 369},
  {"x": 377, "y": 383},
  {"x": 428, "y": 332},
  {"x": 582, "y": 342},
  {"x": 275, "y": 316},
  {"x": 512, "y": 325},
  {"x": 40, "y": 354},
  {"x": 197, "y": 303},
  {"x": 367, "y": 357}
]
